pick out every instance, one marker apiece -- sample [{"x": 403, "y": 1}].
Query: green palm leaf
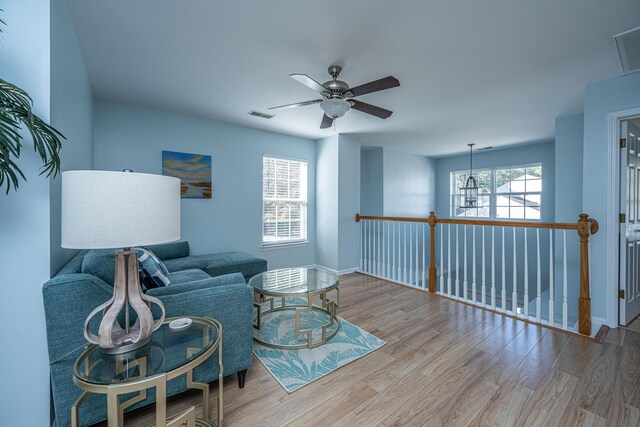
[{"x": 16, "y": 114}]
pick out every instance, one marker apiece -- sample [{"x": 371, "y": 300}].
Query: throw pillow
[{"x": 153, "y": 273}]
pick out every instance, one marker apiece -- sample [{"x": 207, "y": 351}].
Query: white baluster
[
  {"x": 493, "y": 268},
  {"x": 384, "y": 254},
  {"x": 417, "y": 270},
  {"x": 424, "y": 255},
  {"x": 504, "y": 276},
  {"x": 370, "y": 237},
  {"x": 539, "y": 281},
  {"x": 389, "y": 263},
  {"x": 473, "y": 264},
  {"x": 551, "y": 278},
  {"x": 514, "y": 292},
  {"x": 449, "y": 259},
  {"x": 457, "y": 265},
  {"x": 361, "y": 245},
  {"x": 366, "y": 253},
  {"x": 441, "y": 262},
  {"x": 465, "y": 280},
  {"x": 410, "y": 253},
  {"x": 565, "y": 308},
  {"x": 374, "y": 269},
  {"x": 484, "y": 280},
  {"x": 404, "y": 256},
  {"x": 394, "y": 270},
  {"x": 378, "y": 238},
  {"x": 526, "y": 276}
]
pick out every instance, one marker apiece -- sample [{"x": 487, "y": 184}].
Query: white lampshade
[{"x": 106, "y": 209}]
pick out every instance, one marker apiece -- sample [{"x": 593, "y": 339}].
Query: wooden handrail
[
  {"x": 488, "y": 222},
  {"x": 585, "y": 227}
]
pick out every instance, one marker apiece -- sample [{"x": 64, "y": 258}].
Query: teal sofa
[{"x": 211, "y": 285}]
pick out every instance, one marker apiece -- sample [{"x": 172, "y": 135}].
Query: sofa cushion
[
  {"x": 170, "y": 250},
  {"x": 153, "y": 273},
  {"x": 101, "y": 263},
  {"x": 186, "y": 276},
  {"x": 220, "y": 263}
]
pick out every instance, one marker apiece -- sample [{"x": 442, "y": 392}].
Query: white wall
[
  {"x": 24, "y": 228},
  {"x": 132, "y": 137}
]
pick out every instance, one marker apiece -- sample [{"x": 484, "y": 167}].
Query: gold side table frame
[
  {"x": 329, "y": 306},
  {"x": 115, "y": 408}
]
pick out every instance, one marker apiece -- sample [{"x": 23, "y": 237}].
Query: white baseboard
[{"x": 339, "y": 273}]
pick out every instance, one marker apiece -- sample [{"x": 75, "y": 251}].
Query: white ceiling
[{"x": 493, "y": 72}]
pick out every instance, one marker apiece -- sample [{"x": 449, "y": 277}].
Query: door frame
[{"x": 613, "y": 209}]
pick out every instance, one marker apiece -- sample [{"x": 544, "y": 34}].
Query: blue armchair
[{"x": 71, "y": 295}]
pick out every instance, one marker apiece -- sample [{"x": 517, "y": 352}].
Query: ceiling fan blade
[
  {"x": 297, "y": 104},
  {"x": 326, "y": 122},
  {"x": 371, "y": 109},
  {"x": 375, "y": 86},
  {"x": 308, "y": 82}
]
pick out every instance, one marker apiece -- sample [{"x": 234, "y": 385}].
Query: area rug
[{"x": 296, "y": 368}]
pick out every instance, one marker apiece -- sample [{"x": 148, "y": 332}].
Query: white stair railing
[{"x": 396, "y": 249}]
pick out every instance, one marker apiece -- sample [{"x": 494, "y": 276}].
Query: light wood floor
[
  {"x": 445, "y": 364},
  {"x": 634, "y": 325}
]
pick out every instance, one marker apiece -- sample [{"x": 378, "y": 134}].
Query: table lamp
[{"x": 105, "y": 210}]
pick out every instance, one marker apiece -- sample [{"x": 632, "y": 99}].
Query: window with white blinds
[{"x": 284, "y": 200}]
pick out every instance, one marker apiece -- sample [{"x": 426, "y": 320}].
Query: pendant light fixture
[{"x": 471, "y": 186}]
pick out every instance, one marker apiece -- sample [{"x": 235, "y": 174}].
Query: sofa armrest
[{"x": 227, "y": 279}]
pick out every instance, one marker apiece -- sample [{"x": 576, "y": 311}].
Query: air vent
[
  {"x": 484, "y": 148},
  {"x": 261, "y": 115},
  {"x": 628, "y": 44}
]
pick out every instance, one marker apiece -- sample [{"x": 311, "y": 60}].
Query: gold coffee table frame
[
  {"x": 115, "y": 409},
  {"x": 329, "y": 306}
]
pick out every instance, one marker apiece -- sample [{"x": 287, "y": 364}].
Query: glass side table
[{"x": 170, "y": 353}]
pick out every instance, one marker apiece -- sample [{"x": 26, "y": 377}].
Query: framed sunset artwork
[{"x": 194, "y": 171}]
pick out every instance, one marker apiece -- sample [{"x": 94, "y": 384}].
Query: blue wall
[
  {"x": 327, "y": 152},
  {"x": 71, "y": 114},
  {"x": 371, "y": 178},
  {"x": 24, "y": 228},
  {"x": 568, "y": 167},
  {"x": 348, "y": 202},
  {"x": 532, "y": 153},
  {"x": 602, "y": 98},
  {"x": 131, "y": 137},
  {"x": 409, "y": 184}
]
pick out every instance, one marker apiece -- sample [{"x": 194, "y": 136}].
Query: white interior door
[{"x": 630, "y": 227}]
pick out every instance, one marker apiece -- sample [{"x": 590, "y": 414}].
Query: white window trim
[
  {"x": 493, "y": 194},
  {"x": 305, "y": 203}
]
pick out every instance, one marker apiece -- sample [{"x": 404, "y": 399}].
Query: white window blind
[{"x": 284, "y": 200}]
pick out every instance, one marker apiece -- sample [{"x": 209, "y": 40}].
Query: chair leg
[{"x": 241, "y": 377}]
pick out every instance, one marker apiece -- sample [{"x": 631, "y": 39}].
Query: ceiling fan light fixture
[{"x": 335, "y": 108}]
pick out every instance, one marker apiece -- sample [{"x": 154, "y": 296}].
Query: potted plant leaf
[{"x": 15, "y": 114}]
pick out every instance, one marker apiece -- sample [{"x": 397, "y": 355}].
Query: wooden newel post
[
  {"x": 586, "y": 227},
  {"x": 432, "y": 256}
]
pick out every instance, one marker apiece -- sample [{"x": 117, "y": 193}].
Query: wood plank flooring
[{"x": 444, "y": 364}]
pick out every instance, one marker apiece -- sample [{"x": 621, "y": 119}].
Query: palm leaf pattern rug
[{"x": 296, "y": 368}]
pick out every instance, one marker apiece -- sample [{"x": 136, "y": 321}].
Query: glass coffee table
[
  {"x": 170, "y": 354},
  {"x": 286, "y": 316}
]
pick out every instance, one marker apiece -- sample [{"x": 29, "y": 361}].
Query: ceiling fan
[{"x": 337, "y": 96}]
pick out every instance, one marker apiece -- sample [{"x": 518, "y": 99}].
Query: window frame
[
  {"x": 304, "y": 203},
  {"x": 493, "y": 195}
]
